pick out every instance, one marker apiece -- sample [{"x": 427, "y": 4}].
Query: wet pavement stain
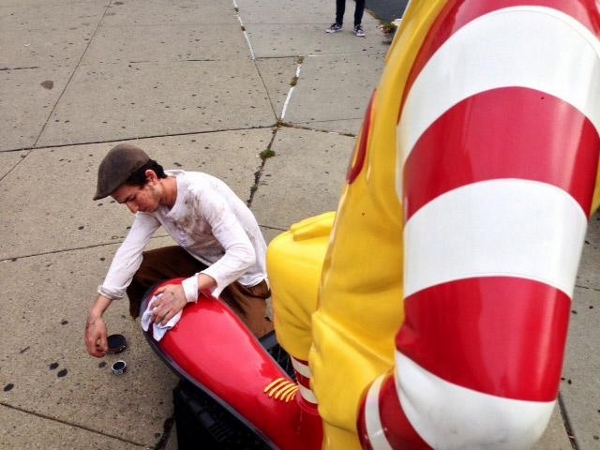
[{"x": 48, "y": 84}]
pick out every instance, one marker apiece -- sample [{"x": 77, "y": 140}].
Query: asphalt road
[{"x": 387, "y": 10}]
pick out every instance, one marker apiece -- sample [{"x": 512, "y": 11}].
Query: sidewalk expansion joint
[
  {"x": 149, "y": 61},
  {"x": 64, "y": 422},
  {"x": 264, "y": 155},
  {"x": 293, "y": 83},
  {"x": 138, "y": 138},
  {"x": 237, "y": 14},
  {"x": 302, "y": 127},
  {"x": 587, "y": 288},
  {"x": 89, "y": 42},
  {"x": 567, "y": 423}
]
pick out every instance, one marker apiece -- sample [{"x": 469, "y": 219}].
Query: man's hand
[
  {"x": 170, "y": 303},
  {"x": 95, "y": 328},
  {"x": 95, "y": 336}
]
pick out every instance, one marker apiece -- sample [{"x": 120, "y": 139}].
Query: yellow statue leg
[{"x": 294, "y": 263}]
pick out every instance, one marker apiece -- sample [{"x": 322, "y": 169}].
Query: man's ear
[{"x": 151, "y": 175}]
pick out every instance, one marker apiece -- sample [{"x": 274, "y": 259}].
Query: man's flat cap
[{"x": 117, "y": 166}]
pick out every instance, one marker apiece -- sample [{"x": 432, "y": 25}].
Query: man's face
[{"x": 136, "y": 198}]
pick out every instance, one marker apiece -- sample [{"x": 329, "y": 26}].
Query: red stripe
[
  {"x": 584, "y": 11},
  {"x": 504, "y": 133},
  {"x": 398, "y": 430},
  {"x": 456, "y": 14},
  {"x": 501, "y": 336},
  {"x": 302, "y": 380}
]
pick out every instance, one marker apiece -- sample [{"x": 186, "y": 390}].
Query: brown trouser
[{"x": 249, "y": 303}]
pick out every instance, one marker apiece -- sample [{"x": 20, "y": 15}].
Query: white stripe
[
  {"x": 505, "y": 227},
  {"x": 534, "y": 47},
  {"x": 301, "y": 368},
  {"x": 289, "y": 94},
  {"x": 451, "y": 417},
  {"x": 307, "y": 394},
  {"x": 245, "y": 34},
  {"x": 372, "y": 417}
]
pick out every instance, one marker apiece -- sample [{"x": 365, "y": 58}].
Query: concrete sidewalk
[{"x": 201, "y": 84}]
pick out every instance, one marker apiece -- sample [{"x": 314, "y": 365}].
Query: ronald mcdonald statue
[{"x": 430, "y": 311}]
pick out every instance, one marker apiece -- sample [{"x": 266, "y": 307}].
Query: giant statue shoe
[
  {"x": 430, "y": 311},
  {"x": 225, "y": 366}
]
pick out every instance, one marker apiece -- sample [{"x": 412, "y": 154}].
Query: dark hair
[{"x": 138, "y": 178}]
